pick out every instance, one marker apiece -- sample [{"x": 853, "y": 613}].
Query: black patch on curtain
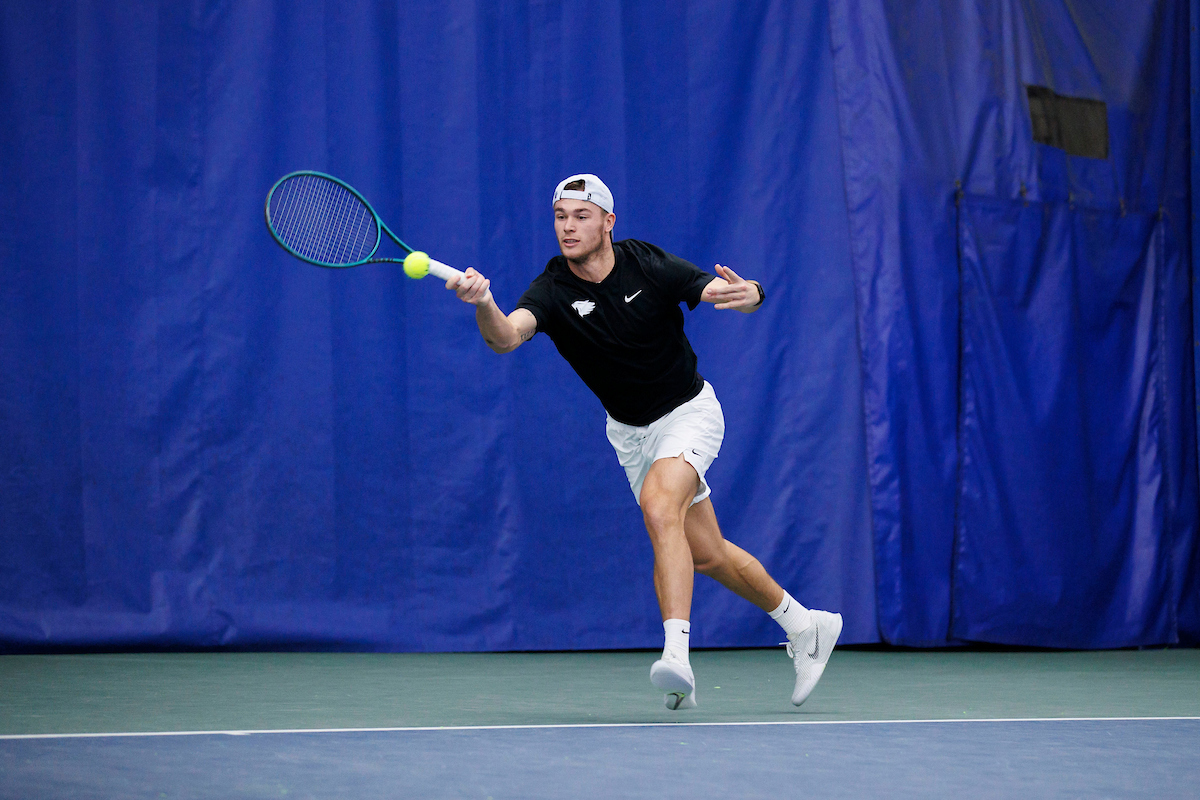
[{"x": 1074, "y": 124}]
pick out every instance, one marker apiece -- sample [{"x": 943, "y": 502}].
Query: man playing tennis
[{"x": 612, "y": 310}]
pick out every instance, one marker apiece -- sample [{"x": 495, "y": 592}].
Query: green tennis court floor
[{"x": 113, "y": 693}]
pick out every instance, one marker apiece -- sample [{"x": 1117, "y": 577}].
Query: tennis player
[{"x": 612, "y": 310}]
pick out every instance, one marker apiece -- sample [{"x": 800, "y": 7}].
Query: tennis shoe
[
  {"x": 673, "y": 675},
  {"x": 810, "y": 650}
]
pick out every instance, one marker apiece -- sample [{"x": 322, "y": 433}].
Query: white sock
[
  {"x": 678, "y": 632},
  {"x": 792, "y": 616}
]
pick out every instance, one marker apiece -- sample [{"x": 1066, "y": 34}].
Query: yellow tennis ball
[{"x": 416, "y": 264}]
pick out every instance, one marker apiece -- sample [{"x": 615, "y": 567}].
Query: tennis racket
[{"x": 325, "y": 221}]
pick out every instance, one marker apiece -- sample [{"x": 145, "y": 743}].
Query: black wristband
[{"x": 761, "y": 294}]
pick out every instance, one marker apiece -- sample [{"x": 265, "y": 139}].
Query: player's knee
[
  {"x": 661, "y": 522},
  {"x": 661, "y": 517}
]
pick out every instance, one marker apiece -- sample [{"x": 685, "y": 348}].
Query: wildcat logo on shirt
[{"x": 584, "y": 307}]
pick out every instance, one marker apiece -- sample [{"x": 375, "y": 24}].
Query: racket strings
[{"x": 323, "y": 221}]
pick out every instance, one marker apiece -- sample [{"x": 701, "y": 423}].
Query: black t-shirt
[{"x": 624, "y": 335}]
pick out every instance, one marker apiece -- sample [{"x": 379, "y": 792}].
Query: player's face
[{"x": 582, "y": 228}]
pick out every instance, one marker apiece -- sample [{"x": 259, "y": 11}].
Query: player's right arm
[{"x": 501, "y": 333}]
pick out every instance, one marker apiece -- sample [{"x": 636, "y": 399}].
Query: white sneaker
[
  {"x": 673, "y": 675},
  {"x": 810, "y": 650}
]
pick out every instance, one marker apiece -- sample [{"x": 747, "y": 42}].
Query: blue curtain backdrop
[{"x": 965, "y": 413}]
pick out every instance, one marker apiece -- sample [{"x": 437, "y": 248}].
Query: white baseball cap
[{"x": 594, "y": 191}]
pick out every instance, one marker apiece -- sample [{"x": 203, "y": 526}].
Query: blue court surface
[
  {"x": 978, "y": 758},
  {"x": 581, "y": 725}
]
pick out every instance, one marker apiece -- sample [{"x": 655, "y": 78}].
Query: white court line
[{"x": 120, "y": 734}]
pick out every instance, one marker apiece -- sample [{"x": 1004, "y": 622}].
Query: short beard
[{"x": 605, "y": 239}]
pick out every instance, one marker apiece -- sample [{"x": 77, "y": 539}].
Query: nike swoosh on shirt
[{"x": 635, "y": 294}]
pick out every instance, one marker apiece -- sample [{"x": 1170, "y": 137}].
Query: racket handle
[{"x": 443, "y": 271}]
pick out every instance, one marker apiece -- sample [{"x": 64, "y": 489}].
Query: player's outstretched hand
[
  {"x": 737, "y": 292},
  {"x": 471, "y": 288}
]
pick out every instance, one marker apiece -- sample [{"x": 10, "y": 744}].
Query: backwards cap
[{"x": 594, "y": 191}]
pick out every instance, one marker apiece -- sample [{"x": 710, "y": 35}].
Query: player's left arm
[{"x": 730, "y": 290}]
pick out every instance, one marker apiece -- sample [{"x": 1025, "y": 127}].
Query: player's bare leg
[
  {"x": 667, "y": 493},
  {"x": 669, "y": 513},
  {"x": 687, "y": 539},
  {"x": 811, "y": 634},
  {"x": 725, "y": 562}
]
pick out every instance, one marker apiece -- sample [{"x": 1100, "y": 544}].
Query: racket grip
[{"x": 443, "y": 271}]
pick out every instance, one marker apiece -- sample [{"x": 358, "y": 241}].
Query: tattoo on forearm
[{"x": 527, "y": 335}]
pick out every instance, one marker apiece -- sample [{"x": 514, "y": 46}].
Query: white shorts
[{"x": 694, "y": 429}]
